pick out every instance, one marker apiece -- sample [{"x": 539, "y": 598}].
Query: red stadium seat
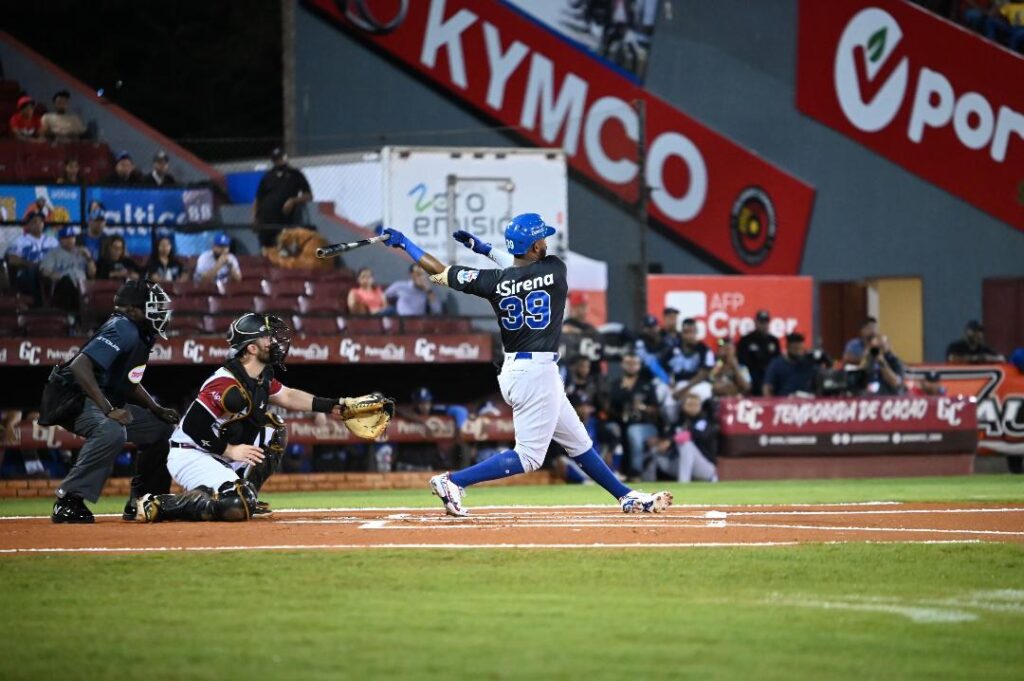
[
  {"x": 363, "y": 325},
  {"x": 8, "y": 324},
  {"x": 191, "y": 305},
  {"x": 42, "y": 162},
  {"x": 13, "y": 303},
  {"x": 285, "y": 287},
  {"x": 185, "y": 324},
  {"x": 316, "y": 326},
  {"x": 283, "y": 306},
  {"x": 322, "y": 305},
  {"x": 44, "y": 324},
  {"x": 338, "y": 290},
  {"x": 192, "y": 288},
  {"x": 246, "y": 287},
  {"x": 10, "y": 159},
  {"x": 94, "y": 159},
  {"x": 230, "y": 304},
  {"x": 416, "y": 325},
  {"x": 217, "y": 324},
  {"x": 452, "y": 325},
  {"x": 280, "y": 274},
  {"x": 102, "y": 288}
]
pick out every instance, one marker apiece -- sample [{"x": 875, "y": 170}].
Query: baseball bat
[{"x": 338, "y": 249}]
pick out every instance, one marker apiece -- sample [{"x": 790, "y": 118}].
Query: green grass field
[{"x": 852, "y": 611}]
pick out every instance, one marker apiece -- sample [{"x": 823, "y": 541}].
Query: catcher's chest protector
[{"x": 249, "y": 404}]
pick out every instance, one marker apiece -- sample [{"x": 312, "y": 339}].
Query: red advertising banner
[
  {"x": 30, "y": 435},
  {"x": 724, "y": 306},
  {"x": 848, "y": 426},
  {"x": 999, "y": 391},
  {"x": 325, "y": 350},
  {"x": 725, "y": 200},
  {"x": 921, "y": 91}
]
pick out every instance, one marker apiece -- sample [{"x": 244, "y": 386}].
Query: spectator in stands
[
  {"x": 158, "y": 176},
  {"x": 414, "y": 296},
  {"x": 686, "y": 450},
  {"x": 757, "y": 349},
  {"x": 669, "y": 336},
  {"x": 366, "y": 297},
  {"x": 586, "y": 392},
  {"x": 163, "y": 264},
  {"x": 576, "y": 320},
  {"x": 281, "y": 194},
  {"x": 650, "y": 334},
  {"x": 114, "y": 262},
  {"x": 25, "y": 123},
  {"x": 633, "y": 405},
  {"x": 883, "y": 369},
  {"x": 70, "y": 173},
  {"x": 728, "y": 377},
  {"x": 60, "y": 125},
  {"x": 42, "y": 206},
  {"x": 928, "y": 385},
  {"x": 218, "y": 263},
  {"x": 853, "y": 353},
  {"x": 689, "y": 364},
  {"x": 95, "y": 230},
  {"x": 971, "y": 349},
  {"x": 67, "y": 267},
  {"x": 26, "y": 253},
  {"x": 125, "y": 172},
  {"x": 792, "y": 373},
  {"x": 433, "y": 455}
]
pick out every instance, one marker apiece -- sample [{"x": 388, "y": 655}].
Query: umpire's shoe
[{"x": 71, "y": 509}]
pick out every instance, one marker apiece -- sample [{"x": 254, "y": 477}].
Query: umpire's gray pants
[{"x": 104, "y": 440}]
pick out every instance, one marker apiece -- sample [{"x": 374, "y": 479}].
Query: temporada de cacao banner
[
  {"x": 713, "y": 193},
  {"x": 851, "y": 426}
]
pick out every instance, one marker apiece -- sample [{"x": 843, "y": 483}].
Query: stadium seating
[
  {"x": 44, "y": 322},
  {"x": 316, "y": 326},
  {"x": 363, "y": 326},
  {"x": 322, "y": 305},
  {"x": 234, "y": 305},
  {"x": 246, "y": 287},
  {"x": 283, "y": 306}
]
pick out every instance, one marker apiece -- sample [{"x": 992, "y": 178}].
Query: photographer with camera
[{"x": 883, "y": 369}]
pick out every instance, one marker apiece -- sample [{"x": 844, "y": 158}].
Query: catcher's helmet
[
  {"x": 148, "y": 297},
  {"x": 251, "y": 327},
  {"x": 524, "y": 230}
]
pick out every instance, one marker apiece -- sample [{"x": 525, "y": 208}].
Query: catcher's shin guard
[
  {"x": 195, "y": 505},
  {"x": 234, "y": 501},
  {"x": 273, "y": 453}
]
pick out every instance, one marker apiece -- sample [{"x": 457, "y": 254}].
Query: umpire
[{"x": 89, "y": 395}]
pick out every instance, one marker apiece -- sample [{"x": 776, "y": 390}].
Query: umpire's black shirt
[{"x": 119, "y": 352}]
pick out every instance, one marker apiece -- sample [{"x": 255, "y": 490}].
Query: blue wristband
[{"x": 414, "y": 251}]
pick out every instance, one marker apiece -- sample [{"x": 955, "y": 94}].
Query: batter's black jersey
[{"x": 529, "y": 301}]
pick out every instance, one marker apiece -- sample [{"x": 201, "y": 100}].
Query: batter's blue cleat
[
  {"x": 641, "y": 502},
  {"x": 450, "y": 494}
]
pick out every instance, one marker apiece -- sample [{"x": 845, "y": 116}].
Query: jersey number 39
[{"x": 534, "y": 311}]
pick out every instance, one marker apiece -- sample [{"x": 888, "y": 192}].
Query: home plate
[{"x": 716, "y": 515}]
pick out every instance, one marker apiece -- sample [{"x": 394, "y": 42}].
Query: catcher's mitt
[{"x": 367, "y": 416}]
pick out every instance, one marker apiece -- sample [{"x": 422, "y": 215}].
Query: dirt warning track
[{"x": 532, "y": 527}]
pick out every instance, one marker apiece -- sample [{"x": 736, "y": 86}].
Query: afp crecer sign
[{"x": 711, "y": 192}]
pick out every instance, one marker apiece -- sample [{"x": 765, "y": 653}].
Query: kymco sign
[
  {"x": 927, "y": 94},
  {"x": 713, "y": 193}
]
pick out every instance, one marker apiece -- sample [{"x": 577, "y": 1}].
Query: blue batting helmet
[{"x": 524, "y": 230}]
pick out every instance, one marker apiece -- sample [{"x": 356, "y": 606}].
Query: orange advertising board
[
  {"x": 725, "y": 306},
  {"x": 999, "y": 390}
]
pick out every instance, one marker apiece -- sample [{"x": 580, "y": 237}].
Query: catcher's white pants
[
  {"x": 540, "y": 409},
  {"x": 193, "y": 468}
]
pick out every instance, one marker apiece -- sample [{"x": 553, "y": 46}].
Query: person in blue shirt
[
  {"x": 25, "y": 254},
  {"x": 109, "y": 371}
]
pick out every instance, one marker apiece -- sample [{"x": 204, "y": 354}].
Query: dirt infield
[{"x": 533, "y": 527}]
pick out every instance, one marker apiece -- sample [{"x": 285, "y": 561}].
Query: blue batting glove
[
  {"x": 471, "y": 242},
  {"x": 395, "y": 238}
]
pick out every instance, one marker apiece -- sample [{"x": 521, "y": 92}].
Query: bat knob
[{"x": 321, "y": 253}]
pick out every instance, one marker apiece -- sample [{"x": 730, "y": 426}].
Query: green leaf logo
[{"x": 876, "y": 45}]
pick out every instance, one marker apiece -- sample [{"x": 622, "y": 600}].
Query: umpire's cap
[{"x": 524, "y": 230}]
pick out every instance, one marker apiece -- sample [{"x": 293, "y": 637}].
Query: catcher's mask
[
  {"x": 148, "y": 297},
  {"x": 251, "y": 327}
]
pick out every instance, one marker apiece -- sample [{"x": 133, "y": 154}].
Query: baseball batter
[{"x": 528, "y": 295}]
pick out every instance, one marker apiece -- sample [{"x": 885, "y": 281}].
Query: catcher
[{"x": 227, "y": 444}]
